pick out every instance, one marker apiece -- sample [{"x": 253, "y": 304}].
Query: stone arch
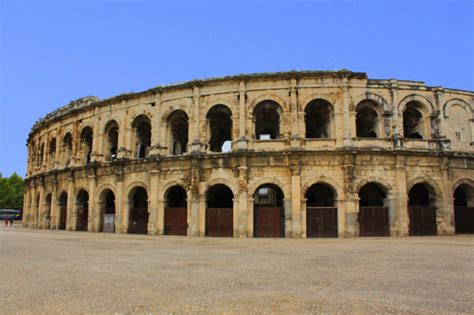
[
  {"x": 234, "y": 188},
  {"x": 165, "y": 188},
  {"x": 330, "y": 182},
  {"x": 461, "y": 181},
  {"x": 457, "y": 101},
  {"x": 219, "y": 101},
  {"x": 172, "y": 109},
  {"x": 386, "y": 187},
  {"x": 317, "y": 96},
  {"x": 269, "y": 180},
  {"x": 134, "y": 115},
  {"x": 268, "y": 97},
  {"x": 430, "y": 109},
  {"x": 102, "y": 188},
  {"x": 110, "y": 123},
  {"x": 426, "y": 180},
  {"x": 133, "y": 185},
  {"x": 377, "y": 99}
]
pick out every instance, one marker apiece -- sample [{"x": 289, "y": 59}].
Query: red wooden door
[
  {"x": 373, "y": 221},
  {"x": 176, "y": 221},
  {"x": 422, "y": 220},
  {"x": 62, "y": 217},
  {"x": 269, "y": 222},
  {"x": 219, "y": 222},
  {"x": 321, "y": 222}
]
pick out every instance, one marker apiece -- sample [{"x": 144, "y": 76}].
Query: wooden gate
[
  {"x": 422, "y": 220},
  {"x": 176, "y": 221},
  {"x": 62, "y": 217},
  {"x": 321, "y": 222},
  {"x": 82, "y": 218},
  {"x": 269, "y": 222},
  {"x": 373, "y": 221},
  {"x": 219, "y": 222},
  {"x": 464, "y": 219},
  {"x": 138, "y": 221}
]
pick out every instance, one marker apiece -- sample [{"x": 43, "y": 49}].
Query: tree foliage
[{"x": 11, "y": 192}]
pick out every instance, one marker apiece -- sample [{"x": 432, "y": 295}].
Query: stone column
[
  {"x": 120, "y": 205},
  {"x": 395, "y": 114},
  {"x": 202, "y": 214},
  {"x": 242, "y": 140},
  {"x": 295, "y": 196},
  {"x": 194, "y": 226},
  {"x": 347, "y": 137},
  {"x": 94, "y": 209},
  {"x": 441, "y": 128},
  {"x": 96, "y": 153},
  {"x": 445, "y": 206},
  {"x": 71, "y": 206},
  {"x": 304, "y": 227},
  {"x": 123, "y": 130},
  {"x": 26, "y": 208},
  {"x": 196, "y": 144},
  {"x": 42, "y": 204},
  {"x": 390, "y": 203},
  {"x": 243, "y": 203},
  {"x": 250, "y": 203},
  {"x": 349, "y": 211},
  {"x": 402, "y": 220},
  {"x": 160, "y": 221},
  {"x": 155, "y": 127},
  {"x": 54, "y": 216},
  {"x": 295, "y": 127},
  {"x": 153, "y": 223},
  {"x": 288, "y": 203}
]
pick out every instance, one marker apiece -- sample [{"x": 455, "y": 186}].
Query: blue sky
[{"x": 52, "y": 52}]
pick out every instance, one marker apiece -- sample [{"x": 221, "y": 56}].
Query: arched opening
[
  {"x": 41, "y": 155},
  {"x": 268, "y": 212},
  {"x": 52, "y": 150},
  {"x": 37, "y": 212},
  {"x": 142, "y": 127},
  {"x": 138, "y": 218},
  {"x": 367, "y": 120},
  {"x": 464, "y": 209},
  {"x": 413, "y": 121},
  {"x": 267, "y": 120},
  {"x": 422, "y": 210},
  {"x": 178, "y": 125},
  {"x": 82, "y": 210},
  {"x": 62, "y": 211},
  {"x": 86, "y": 144},
  {"x": 318, "y": 119},
  {"x": 111, "y": 143},
  {"x": 219, "y": 120},
  {"x": 321, "y": 212},
  {"x": 107, "y": 211},
  {"x": 47, "y": 211},
  {"x": 219, "y": 211},
  {"x": 373, "y": 214},
  {"x": 176, "y": 211},
  {"x": 67, "y": 149}
]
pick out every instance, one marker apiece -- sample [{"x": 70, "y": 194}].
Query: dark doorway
[
  {"x": 176, "y": 211},
  {"x": 138, "y": 219},
  {"x": 421, "y": 210},
  {"x": 111, "y": 131},
  {"x": 321, "y": 214},
  {"x": 267, "y": 120},
  {"x": 82, "y": 210},
  {"x": 107, "y": 203},
  {"x": 219, "y": 211},
  {"x": 219, "y": 119},
  {"x": 373, "y": 216},
  {"x": 87, "y": 137},
  {"x": 464, "y": 209},
  {"x": 62, "y": 211},
  {"x": 367, "y": 120},
  {"x": 178, "y": 125},
  {"x": 142, "y": 127},
  {"x": 269, "y": 212},
  {"x": 318, "y": 119},
  {"x": 413, "y": 121}
]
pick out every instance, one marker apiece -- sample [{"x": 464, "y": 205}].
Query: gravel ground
[{"x": 80, "y": 272}]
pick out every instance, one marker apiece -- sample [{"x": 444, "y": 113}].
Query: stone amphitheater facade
[{"x": 291, "y": 154}]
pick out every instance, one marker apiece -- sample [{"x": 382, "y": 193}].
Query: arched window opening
[
  {"x": 422, "y": 210},
  {"x": 47, "y": 211},
  {"x": 413, "y": 121},
  {"x": 86, "y": 144},
  {"x": 464, "y": 209},
  {"x": 82, "y": 210},
  {"x": 178, "y": 123},
  {"x": 269, "y": 212},
  {"x": 62, "y": 211},
  {"x": 219, "y": 211},
  {"x": 52, "y": 149},
  {"x": 321, "y": 213},
  {"x": 367, "y": 120},
  {"x": 373, "y": 214},
  {"x": 111, "y": 132},
  {"x": 176, "y": 211},
  {"x": 67, "y": 148},
  {"x": 267, "y": 120},
  {"x": 138, "y": 220},
  {"x": 219, "y": 120},
  {"x": 142, "y": 127},
  {"x": 41, "y": 154},
  {"x": 318, "y": 119}
]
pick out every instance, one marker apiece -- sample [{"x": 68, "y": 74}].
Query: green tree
[{"x": 11, "y": 192}]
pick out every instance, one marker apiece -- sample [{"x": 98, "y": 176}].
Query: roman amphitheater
[{"x": 291, "y": 154}]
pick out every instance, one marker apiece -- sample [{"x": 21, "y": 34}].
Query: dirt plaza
[{"x": 78, "y": 272}]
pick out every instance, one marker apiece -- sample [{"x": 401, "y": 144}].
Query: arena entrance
[
  {"x": 82, "y": 210},
  {"x": 138, "y": 218},
  {"x": 63, "y": 211},
  {"x": 176, "y": 211},
  {"x": 268, "y": 212},
  {"x": 421, "y": 210},
  {"x": 321, "y": 214},
  {"x": 107, "y": 211},
  {"x": 464, "y": 209},
  {"x": 373, "y": 216},
  {"x": 219, "y": 211}
]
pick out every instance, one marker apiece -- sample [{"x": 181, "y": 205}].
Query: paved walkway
[{"x": 80, "y": 272}]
